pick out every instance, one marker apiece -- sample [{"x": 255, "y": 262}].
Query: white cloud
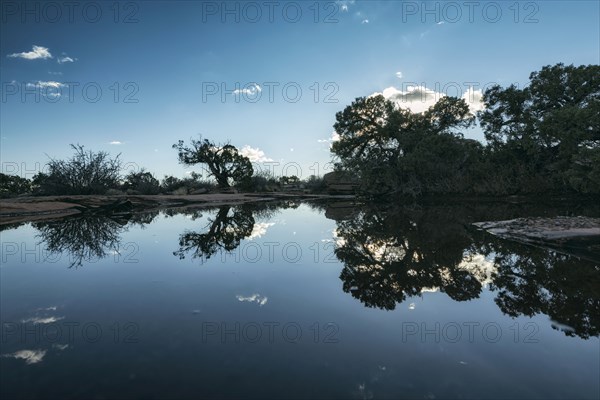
[
  {"x": 115, "y": 142},
  {"x": 55, "y": 73},
  {"x": 474, "y": 99},
  {"x": 46, "y": 85},
  {"x": 251, "y": 90},
  {"x": 333, "y": 138},
  {"x": 65, "y": 59},
  {"x": 440, "y": 23},
  {"x": 364, "y": 21},
  {"x": 399, "y": 75},
  {"x": 419, "y": 98},
  {"x": 254, "y": 154},
  {"x": 37, "y": 52},
  {"x": 416, "y": 98},
  {"x": 30, "y": 356},
  {"x": 255, "y": 298},
  {"x": 51, "y": 89}
]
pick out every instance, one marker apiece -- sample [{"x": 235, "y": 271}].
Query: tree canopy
[
  {"x": 551, "y": 128},
  {"x": 223, "y": 161},
  {"x": 542, "y": 138},
  {"x": 392, "y": 149}
]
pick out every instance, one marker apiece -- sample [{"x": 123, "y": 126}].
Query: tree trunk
[{"x": 222, "y": 181}]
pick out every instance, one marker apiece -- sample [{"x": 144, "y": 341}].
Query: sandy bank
[{"x": 25, "y": 209}]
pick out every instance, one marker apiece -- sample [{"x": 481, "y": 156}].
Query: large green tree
[
  {"x": 548, "y": 131},
  {"x": 223, "y": 161},
  {"x": 391, "y": 149}
]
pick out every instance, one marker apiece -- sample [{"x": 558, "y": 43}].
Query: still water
[{"x": 295, "y": 300}]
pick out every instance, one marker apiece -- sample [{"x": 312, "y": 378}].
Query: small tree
[
  {"x": 85, "y": 173},
  {"x": 170, "y": 183},
  {"x": 12, "y": 185},
  {"x": 143, "y": 182},
  {"x": 223, "y": 162}
]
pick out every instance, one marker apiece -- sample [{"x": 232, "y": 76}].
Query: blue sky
[{"x": 162, "y": 65}]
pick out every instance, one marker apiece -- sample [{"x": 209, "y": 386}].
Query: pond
[{"x": 296, "y": 300}]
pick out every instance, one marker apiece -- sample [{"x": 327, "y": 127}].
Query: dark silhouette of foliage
[
  {"x": 224, "y": 232},
  {"x": 550, "y": 129},
  {"x": 87, "y": 172},
  {"x": 13, "y": 185},
  {"x": 82, "y": 239},
  {"x": 391, "y": 254},
  {"x": 223, "y": 162},
  {"x": 226, "y": 229},
  {"x": 531, "y": 280},
  {"x": 393, "y": 150},
  {"x": 142, "y": 182},
  {"x": 186, "y": 185},
  {"x": 542, "y": 138}
]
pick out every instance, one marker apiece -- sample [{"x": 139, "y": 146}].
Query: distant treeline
[
  {"x": 88, "y": 172},
  {"x": 541, "y": 139}
]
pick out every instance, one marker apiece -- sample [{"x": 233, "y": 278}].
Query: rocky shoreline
[{"x": 572, "y": 235}]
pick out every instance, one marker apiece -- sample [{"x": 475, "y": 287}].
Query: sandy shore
[{"x": 24, "y": 209}]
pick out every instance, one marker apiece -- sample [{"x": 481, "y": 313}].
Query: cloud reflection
[
  {"x": 30, "y": 356},
  {"x": 255, "y": 298}
]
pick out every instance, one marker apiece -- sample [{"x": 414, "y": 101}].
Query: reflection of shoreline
[{"x": 28, "y": 209}]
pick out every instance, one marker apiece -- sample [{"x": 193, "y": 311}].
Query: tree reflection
[
  {"x": 88, "y": 237},
  {"x": 227, "y": 228},
  {"x": 224, "y": 231},
  {"x": 392, "y": 253},
  {"x": 389, "y": 254},
  {"x": 531, "y": 280},
  {"x": 82, "y": 238}
]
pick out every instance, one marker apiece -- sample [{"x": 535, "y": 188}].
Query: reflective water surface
[{"x": 296, "y": 300}]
